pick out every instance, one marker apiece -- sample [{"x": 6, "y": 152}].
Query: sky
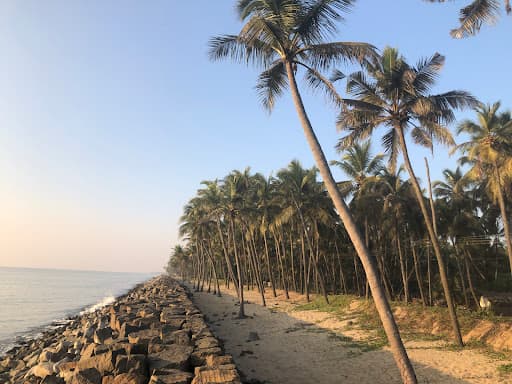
[{"x": 111, "y": 114}]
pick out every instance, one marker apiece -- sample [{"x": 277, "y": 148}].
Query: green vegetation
[{"x": 505, "y": 368}]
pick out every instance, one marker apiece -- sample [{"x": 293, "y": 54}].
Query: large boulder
[
  {"x": 173, "y": 356},
  {"x": 103, "y": 363},
  {"x": 130, "y": 378},
  {"x": 132, "y": 363},
  {"x": 41, "y": 370},
  {"x": 225, "y": 374},
  {"x": 103, "y": 336},
  {"x": 86, "y": 376},
  {"x": 171, "y": 376},
  {"x": 144, "y": 337}
]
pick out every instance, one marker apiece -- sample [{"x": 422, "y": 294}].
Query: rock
[
  {"x": 144, "y": 337},
  {"x": 41, "y": 370},
  {"x": 61, "y": 363},
  {"x": 171, "y": 376},
  {"x": 181, "y": 337},
  {"x": 88, "y": 351},
  {"x": 213, "y": 360},
  {"x": 133, "y": 363},
  {"x": 173, "y": 356},
  {"x": 53, "y": 380},
  {"x": 87, "y": 376},
  {"x": 130, "y": 378},
  {"x": 103, "y": 336},
  {"x": 225, "y": 374},
  {"x": 253, "y": 336},
  {"x": 199, "y": 356},
  {"x": 103, "y": 363},
  {"x": 206, "y": 342},
  {"x": 128, "y": 328}
]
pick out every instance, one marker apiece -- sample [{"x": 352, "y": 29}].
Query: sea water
[{"x": 32, "y": 299}]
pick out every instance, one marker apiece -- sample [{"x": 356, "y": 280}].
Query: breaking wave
[{"x": 102, "y": 303}]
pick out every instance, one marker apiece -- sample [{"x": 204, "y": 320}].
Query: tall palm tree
[
  {"x": 489, "y": 151},
  {"x": 283, "y": 36},
  {"x": 476, "y": 13},
  {"x": 394, "y": 94}
]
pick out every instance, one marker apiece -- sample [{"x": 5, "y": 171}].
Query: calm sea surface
[{"x": 30, "y": 299}]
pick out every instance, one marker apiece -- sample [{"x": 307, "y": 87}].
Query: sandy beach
[{"x": 314, "y": 347}]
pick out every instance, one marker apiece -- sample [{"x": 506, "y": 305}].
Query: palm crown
[
  {"x": 395, "y": 94},
  {"x": 289, "y": 31}
]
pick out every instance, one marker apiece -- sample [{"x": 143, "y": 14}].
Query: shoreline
[
  {"x": 152, "y": 333},
  {"x": 21, "y": 338}
]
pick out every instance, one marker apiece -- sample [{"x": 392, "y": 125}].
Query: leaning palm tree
[
  {"x": 474, "y": 15},
  {"x": 489, "y": 151},
  {"x": 394, "y": 94},
  {"x": 282, "y": 36}
]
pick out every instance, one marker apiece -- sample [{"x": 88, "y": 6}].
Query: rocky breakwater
[{"x": 152, "y": 335}]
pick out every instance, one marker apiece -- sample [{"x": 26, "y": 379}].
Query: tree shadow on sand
[{"x": 289, "y": 350}]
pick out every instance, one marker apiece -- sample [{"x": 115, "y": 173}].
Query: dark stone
[{"x": 173, "y": 356}]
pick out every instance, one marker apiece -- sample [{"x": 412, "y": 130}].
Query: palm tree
[
  {"x": 475, "y": 14},
  {"x": 394, "y": 94},
  {"x": 282, "y": 36},
  {"x": 489, "y": 151},
  {"x": 358, "y": 164}
]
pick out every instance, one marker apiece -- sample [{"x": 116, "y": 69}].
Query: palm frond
[
  {"x": 324, "y": 56},
  {"x": 337, "y": 75},
  {"x": 361, "y": 87},
  {"x": 426, "y": 72},
  {"x": 422, "y": 137},
  {"x": 263, "y": 30},
  {"x": 239, "y": 50},
  {"x": 474, "y": 15},
  {"x": 319, "y": 82},
  {"x": 271, "y": 84},
  {"x": 320, "y": 19},
  {"x": 455, "y": 100}
]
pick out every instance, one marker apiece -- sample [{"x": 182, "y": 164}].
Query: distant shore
[{"x": 151, "y": 334}]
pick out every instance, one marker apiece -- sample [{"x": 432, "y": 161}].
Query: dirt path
[{"x": 313, "y": 347}]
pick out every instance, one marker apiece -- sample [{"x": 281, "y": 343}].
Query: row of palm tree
[
  {"x": 283, "y": 37},
  {"x": 287, "y": 228}
]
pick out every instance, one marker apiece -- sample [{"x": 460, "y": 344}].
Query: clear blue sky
[{"x": 111, "y": 115}]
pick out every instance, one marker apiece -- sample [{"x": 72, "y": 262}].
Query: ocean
[{"x": 32, "y": 299}]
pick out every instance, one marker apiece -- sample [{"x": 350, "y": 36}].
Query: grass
[
  {"x": 505, "y": 368},
  {"x": 416, "y": 325},
  {"x": 336, "y": 303}
]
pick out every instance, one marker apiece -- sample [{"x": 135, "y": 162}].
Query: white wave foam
[{"x": 93, "y": 308}]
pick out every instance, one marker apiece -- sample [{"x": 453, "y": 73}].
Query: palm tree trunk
[
  {"x": 241, "y": 312},
  {"x": 226, "y": 256},
  {"x": 269, "y": 271},
  {"x": 381, "y": 303},
  {"x": 504, "y": 218},
  {"x": 418, "y": 273},
  {"x": 403, "y": 269},
  {"x": 433, "y": 238}
]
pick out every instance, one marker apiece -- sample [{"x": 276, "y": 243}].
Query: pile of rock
[{"x": 152, "y": 335}]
